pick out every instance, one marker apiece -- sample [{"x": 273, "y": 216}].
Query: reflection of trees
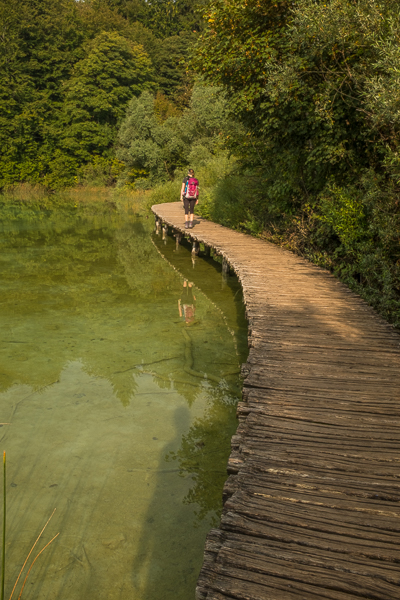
[
  {"x": 216, "y": 345},
  {"x": 165, "y": 530},
  {"x": 65, "y": 248},
  {"x": 86, "y": 283},
  {"x": 204, "y": 453},
  {"x": 76, "y": 280},
  {"x": 145, "y": 274}
]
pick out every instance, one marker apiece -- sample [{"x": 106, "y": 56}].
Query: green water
[{"x": 117, "y": 411}]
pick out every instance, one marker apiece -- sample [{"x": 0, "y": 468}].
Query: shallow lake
[{"x": 119, "y": 378}]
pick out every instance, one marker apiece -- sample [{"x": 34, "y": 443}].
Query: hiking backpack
[{"x": 192, "y": 188}]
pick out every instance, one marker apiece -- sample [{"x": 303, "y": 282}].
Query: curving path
[{"x": 312, "y": 502}]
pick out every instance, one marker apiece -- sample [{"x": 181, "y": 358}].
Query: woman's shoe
[
  {"x": 190, "y": 224},
  {"x": 186, "y": 224}
]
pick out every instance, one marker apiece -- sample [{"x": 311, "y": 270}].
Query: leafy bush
[
  {"x": 316, "y": 86},
  {"x": 165, "y": 192},
  {"x": 160, "y": 146}
]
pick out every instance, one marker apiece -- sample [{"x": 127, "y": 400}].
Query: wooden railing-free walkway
[{"x": 312, "y": 503}]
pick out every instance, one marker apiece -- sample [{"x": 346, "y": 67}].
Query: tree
[
  {"x": 158, "y": 147},
  {"x": 316, "y": 85},
  {"x": 39, "y": 43},
  {"x": 98, "y": 92},
  {"x": 145, "y": 144},
  {"x": 239, "y": 41},
  {"x": 165, "y": 18},
  {"x": 170, "y": 64},
  {"x": 44, "y": 68}
]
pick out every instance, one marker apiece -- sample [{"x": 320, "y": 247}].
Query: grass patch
[{"x": 125, "y": 200}]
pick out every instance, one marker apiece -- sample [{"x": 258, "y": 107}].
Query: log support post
[
  {"x": 225, "y": 267},
  {"x": 195, "y": 247}
]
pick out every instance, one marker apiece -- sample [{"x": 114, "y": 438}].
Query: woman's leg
[
  {"x": 192, "y": 205},
  {"x": 186, "y": 204}
]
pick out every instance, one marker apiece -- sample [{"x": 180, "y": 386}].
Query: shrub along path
[{"x": 312, "y": 502}]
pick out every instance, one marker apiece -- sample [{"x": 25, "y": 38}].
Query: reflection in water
[
  {"x": 209, "y": 435},
  {"x": 120, "y": 414},
  {"x": 187, "y": 304},
  {"x": 207, "y": 439},
  {"x": 165, "y": 530}
]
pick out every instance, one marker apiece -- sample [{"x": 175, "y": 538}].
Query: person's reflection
[{"x": 187, "y": 303}]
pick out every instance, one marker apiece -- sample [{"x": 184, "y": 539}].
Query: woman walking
[{"x": 189, "y": 196}]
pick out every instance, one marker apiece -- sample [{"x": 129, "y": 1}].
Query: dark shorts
[
  {"x": 187, "y": 295},
  {"x": 189, "y": 205}
]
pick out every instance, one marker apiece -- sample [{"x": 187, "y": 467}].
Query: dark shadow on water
[
  {"x": 167, "y": 562},
  {"x": 203, "y": 455}
]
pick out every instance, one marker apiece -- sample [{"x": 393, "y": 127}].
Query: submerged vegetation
[
  {"x": 3, "y": 545},
  {"x": 287, "y": 111}
]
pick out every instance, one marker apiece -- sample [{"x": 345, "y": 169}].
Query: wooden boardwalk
[{"x": 312, "y": 502}]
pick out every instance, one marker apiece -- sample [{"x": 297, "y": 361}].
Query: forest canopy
[
  {"x": 316, "y": 85},
  {"x": 67, "y": 72}
]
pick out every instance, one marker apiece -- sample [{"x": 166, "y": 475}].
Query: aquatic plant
[{"x": 3, "y": 559}]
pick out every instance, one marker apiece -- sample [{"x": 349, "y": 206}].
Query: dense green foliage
[
  {"x": 67, "y": 72},
  {"x": 166, "y": 18},
  {"x": 316, "y": 86},
  {"x": 154, "y": 143}
]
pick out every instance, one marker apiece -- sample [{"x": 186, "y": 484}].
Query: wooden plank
[{"x": 312, "y": 505}]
